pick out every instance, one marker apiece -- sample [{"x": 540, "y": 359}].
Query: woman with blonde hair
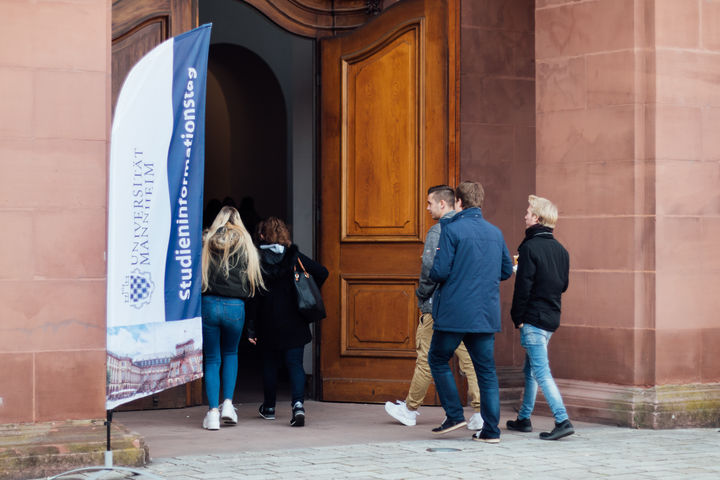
[{"x": 230, "y": 275}]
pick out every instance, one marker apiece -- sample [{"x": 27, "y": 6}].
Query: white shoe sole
[
  {"x": 228, "y": 420},
  {"x": 405, "y": 421}
]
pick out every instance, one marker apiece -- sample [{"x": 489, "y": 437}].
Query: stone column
[
  {"x": 627, "y": 97},
  {"x": 54, "y": 129}
]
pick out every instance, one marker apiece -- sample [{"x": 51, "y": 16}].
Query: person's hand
[
  {"x": 521, "y": 325},
  {"x": 253, "y": 341}
]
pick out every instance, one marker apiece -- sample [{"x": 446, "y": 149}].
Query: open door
[{"x": 387, "y": 134}]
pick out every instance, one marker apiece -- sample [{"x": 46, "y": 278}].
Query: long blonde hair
[{"x": 227, "y": 243}]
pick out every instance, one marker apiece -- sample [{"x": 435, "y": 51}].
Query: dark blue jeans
[
  {"x": 293, "y": 359},
  {"x": 481, "y": 348},
  {"x": 223, "y": 319}
]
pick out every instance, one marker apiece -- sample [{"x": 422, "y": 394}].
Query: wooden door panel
[
  {"x": 128, "y": 49},
  {"x": 385, "y": 123},
  {"x": 378, "y": 316},
  {"x": 380, "y": 153}
]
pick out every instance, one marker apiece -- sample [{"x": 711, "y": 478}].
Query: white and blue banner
[{"x": 154, "y": 327}]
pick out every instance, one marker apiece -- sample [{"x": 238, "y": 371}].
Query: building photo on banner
[{"x": 154, "y": 329}]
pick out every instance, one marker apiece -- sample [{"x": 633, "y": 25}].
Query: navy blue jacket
[{"x": 470, "y": 262}]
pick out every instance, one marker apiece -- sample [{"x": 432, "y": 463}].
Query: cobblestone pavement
[{"x": 593, "y": 452}]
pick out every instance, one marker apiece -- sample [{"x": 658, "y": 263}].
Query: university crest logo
[{"x": 138, "y": 288}]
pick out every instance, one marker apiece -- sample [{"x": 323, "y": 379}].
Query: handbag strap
[{"x": 301, "y": 266}]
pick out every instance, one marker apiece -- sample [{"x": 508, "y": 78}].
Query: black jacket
[
  {"x": 273, "y": 315},
  {"x": 542, "y": 277},
  {"x": 234, "y": 285}
]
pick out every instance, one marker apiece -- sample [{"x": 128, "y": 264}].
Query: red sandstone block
[
  {"x": 677, "y": 23},
  {"x": 581, "y": 28},
  {"x": 678, "y": 353},
  {"x": 678, "y": 132},
  {"x": 549, "y": 3},
  {"x": 589, "y": 188},
  {"x": 688, "y": 244},
  {"x": 16, "y": 388},
  {"x": 485, "y": 145},
  {"x": 497, "y": 100},
  {"x": 598, "y": 353},
  {"x": 509, "y": 15},
  {"x": 710, "y": 120},
  {"x": 70, "y": 385},
  {"x": 688, "y": 188},
  {"x": 604, "y": 243},
  {"x": 611, "y": 79},
  {"x": 77, "y": 248},
  {"x": 71, "y": 105},
  {"x": 710, "y": 13},
  {"x": 684, "y": 299},
  {"x": 49, "y": 315},
  {"x": 687, "y": 78},
  {"x": 16, "y": 111},
  {"x": 71, "y": 34},
  {"x": 489, "y": 52},
  {"x": 73, "y": 173},
  {"x": 710, "y": 360},
  {"x": 561, "y": 85},
  {"x": 602, "y": 134},
  {"x": 16, "y": 257}
]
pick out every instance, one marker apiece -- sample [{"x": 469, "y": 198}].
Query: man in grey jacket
[{"x": 440, "y": 202}]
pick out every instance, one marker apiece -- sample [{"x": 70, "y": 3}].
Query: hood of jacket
[{"x": 276, "y": 265}]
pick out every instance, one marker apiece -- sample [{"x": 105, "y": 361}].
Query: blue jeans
[
  {"x": 537, "y": 371},
  {"x": 481, "y": 348},
  {"x": 293, "y": 359},
  {"x": 222, "y": 325}
]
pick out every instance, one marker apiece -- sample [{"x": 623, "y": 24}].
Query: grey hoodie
[{"x": 427, "y": 287}]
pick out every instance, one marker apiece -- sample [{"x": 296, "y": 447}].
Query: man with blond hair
[{"x": 542, "y": 277}]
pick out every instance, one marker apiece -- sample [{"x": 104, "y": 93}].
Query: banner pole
[{"x": 108, "y": 449}]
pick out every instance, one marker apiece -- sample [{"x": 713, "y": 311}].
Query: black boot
[
  {"x": 562, "y": 429},
  {"x": 519, "y": 425}
]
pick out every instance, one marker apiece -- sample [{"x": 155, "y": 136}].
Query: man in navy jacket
[{"x": 471, "y": 261}]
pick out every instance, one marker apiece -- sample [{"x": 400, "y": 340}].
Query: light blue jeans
[
  {"x": 223, "y": 319},
  {"x": 537, "y": 371}
]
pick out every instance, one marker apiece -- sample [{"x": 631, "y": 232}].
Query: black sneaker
[
  {"x": 268, "y": 413},
  {"x": 520, "y": 425},
  {"x": 449, "y": 426},
  {"x": 481, "y": 436},
  {"x": 562, "y": 429},
  {"x": 298, "y": 415}
]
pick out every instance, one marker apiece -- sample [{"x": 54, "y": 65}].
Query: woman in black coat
[{"x": 277, "y": 326}]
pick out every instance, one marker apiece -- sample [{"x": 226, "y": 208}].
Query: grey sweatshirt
[{"x": 427, "y": 287}]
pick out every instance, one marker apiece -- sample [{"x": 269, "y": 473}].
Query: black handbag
[{"x": 310, "y": 302}]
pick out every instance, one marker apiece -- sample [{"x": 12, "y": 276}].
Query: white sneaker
[
  {"x": 212, "y": 420},
  {"x": 228, "y": 414},
  {"x": 475, "y": 422},
  {"x": 400, "y": 412}
]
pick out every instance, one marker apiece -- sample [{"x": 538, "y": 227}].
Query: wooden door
[
  {"x": 140, "y": 25},
  {"x": 386, "y": 128},
  {"x": 137, "y": 27}
]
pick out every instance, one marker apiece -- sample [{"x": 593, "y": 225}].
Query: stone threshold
[
  {"x": 655, "y": 407},
  {"x": 34, "y": 450}
]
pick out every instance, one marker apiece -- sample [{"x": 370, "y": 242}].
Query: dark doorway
[
  {"x": 246, "y": 135},
  {"x": 260, "y": 139}
]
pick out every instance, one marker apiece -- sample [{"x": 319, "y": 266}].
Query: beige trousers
[{"x": 422, "y": 377}]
